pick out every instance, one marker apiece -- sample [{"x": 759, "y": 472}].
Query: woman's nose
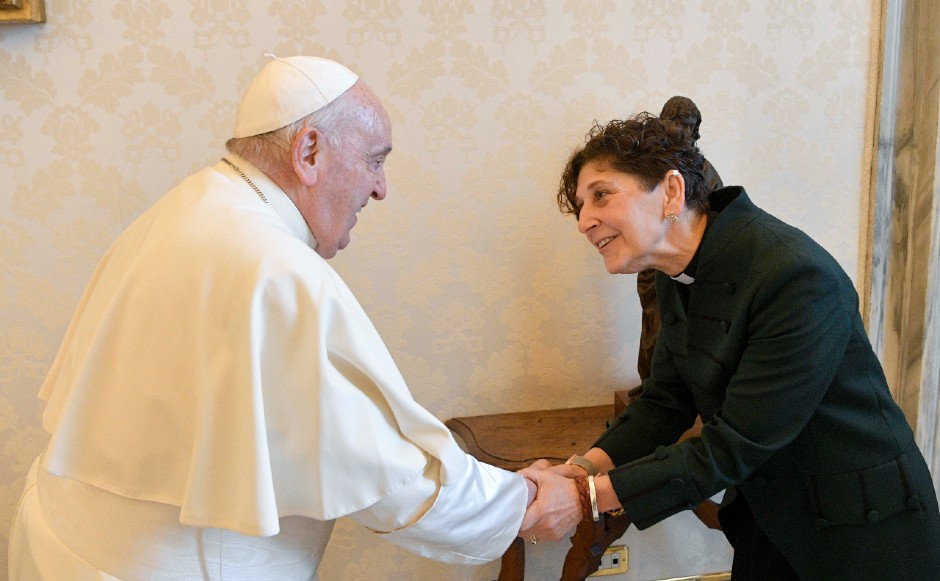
[{"x": 585, "y": 221}]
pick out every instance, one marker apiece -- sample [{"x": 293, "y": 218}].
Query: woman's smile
[{"x": 600, "y": 245}]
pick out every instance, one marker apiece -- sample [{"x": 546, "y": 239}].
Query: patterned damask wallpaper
[{"x": 487, "y": 297}]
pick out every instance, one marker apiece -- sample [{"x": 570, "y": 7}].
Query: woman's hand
[{"x": 568, "y": 470}]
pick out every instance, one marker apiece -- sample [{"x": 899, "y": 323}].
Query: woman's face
[{"x": 620, "y": 217}]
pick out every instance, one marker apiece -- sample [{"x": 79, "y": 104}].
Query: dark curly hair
[{"x": 645, "y": 147}]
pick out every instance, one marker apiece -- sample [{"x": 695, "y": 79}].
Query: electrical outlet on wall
[{"x": 616, "y": 559}]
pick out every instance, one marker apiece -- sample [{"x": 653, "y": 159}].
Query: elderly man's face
[{"x": 354, "y": 173}]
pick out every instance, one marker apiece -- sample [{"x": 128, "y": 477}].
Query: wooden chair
[{"x": 515, "y": 440}]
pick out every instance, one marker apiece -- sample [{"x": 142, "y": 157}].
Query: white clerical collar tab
[{"x": 683, "y": 278}]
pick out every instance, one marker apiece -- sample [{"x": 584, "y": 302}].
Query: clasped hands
[{"x": 558, "y": 506}]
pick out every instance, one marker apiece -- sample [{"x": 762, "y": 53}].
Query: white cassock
[{"x": 220, "y": 397}]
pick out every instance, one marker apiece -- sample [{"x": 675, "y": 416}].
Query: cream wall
[{"x": 487, "y": 296}]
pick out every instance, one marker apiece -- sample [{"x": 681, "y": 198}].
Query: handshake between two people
[{"x": 562, "y": 496}]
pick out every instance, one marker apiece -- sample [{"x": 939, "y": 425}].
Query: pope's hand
[{"x": 556, "y": 509}]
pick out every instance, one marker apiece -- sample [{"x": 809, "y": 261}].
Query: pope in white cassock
[{"x": 220, "y": 397}]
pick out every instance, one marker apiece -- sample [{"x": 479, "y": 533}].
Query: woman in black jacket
[{"x": 761, "y": 337}]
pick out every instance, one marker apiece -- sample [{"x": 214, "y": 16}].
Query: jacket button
[
  {"x": 661, "y": 453},
  {"x": 913, "y": 503},
  {"x": 822, "y": 523},
  {"x": 873, "y": 516},
  {"x": 727, "y": 288}
]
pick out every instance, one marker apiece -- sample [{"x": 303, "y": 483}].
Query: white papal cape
[{"x": 218, "y": 366}]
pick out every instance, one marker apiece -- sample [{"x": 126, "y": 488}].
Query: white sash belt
[{"x": 134, "y": 539}]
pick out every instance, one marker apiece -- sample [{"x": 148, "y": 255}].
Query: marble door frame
[{"x": 899, "y": 278}]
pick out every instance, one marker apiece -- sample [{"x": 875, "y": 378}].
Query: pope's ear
[{"x": 306, "y": 155}]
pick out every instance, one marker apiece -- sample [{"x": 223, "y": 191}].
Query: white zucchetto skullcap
[{"x": 288, "y": 89}]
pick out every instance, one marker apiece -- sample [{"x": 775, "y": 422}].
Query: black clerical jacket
[{"x": 772, "y": 353}]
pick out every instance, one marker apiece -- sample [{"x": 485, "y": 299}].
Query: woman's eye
[{"x": 599, "y": 194}]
